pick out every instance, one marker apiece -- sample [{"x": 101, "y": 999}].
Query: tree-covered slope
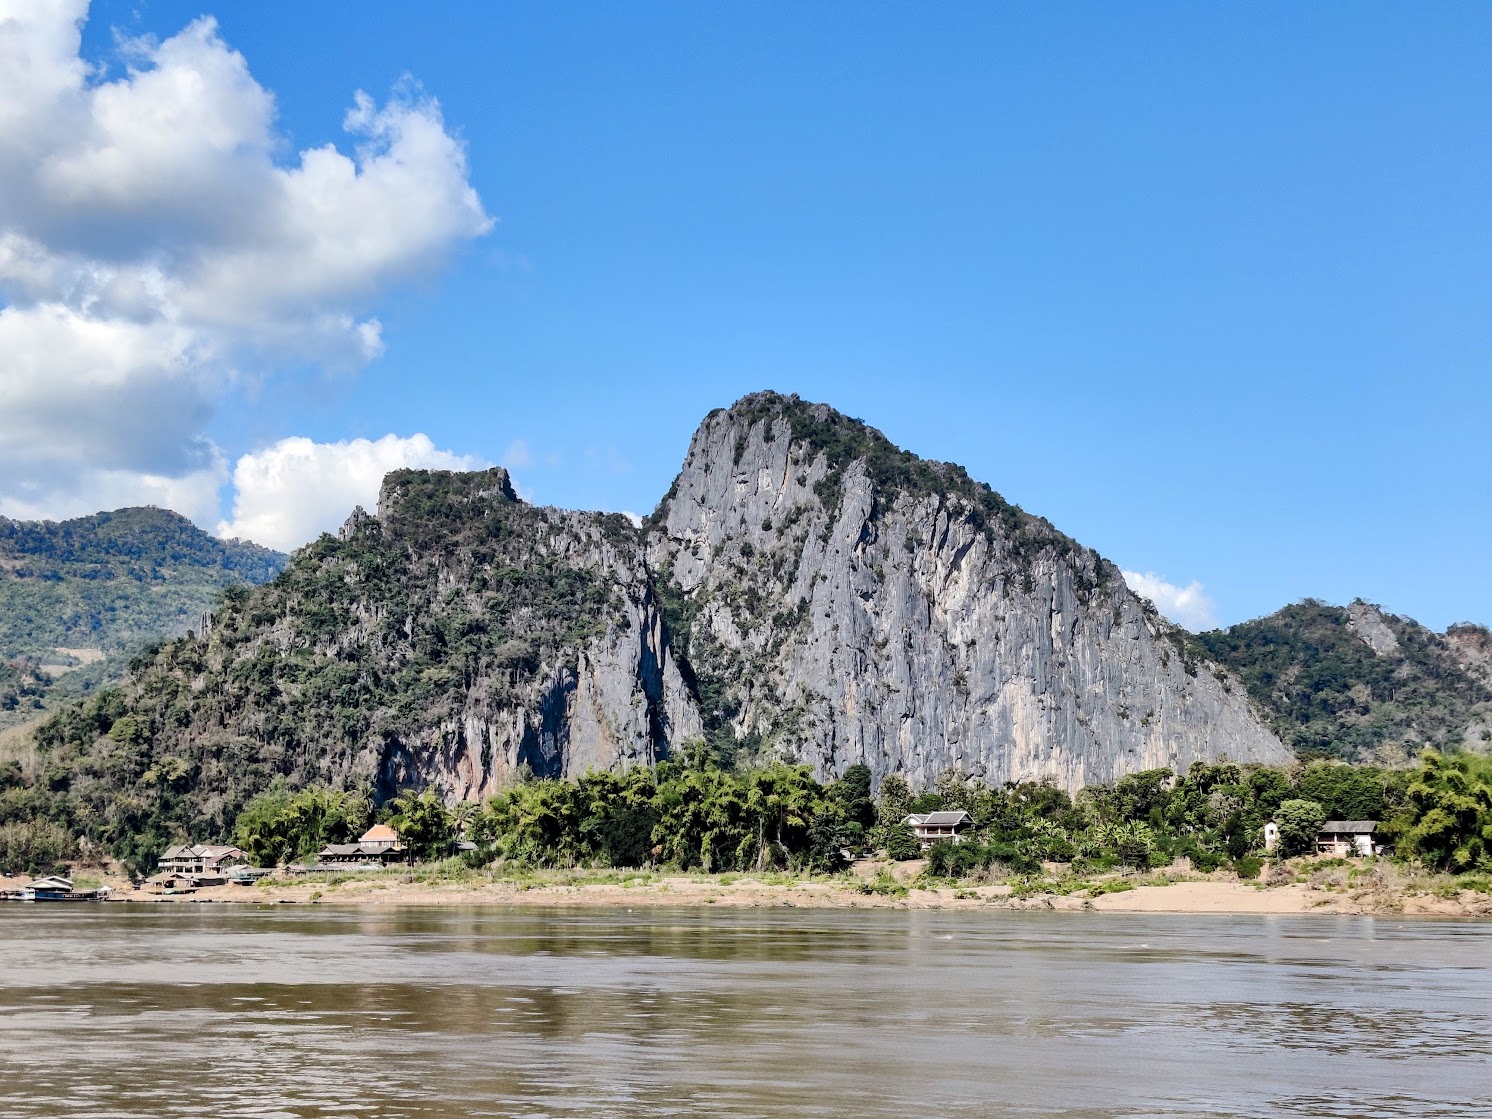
[
  {"x": 459, "y": 639},
  {"x": 78, "y": 597},
  {"x": 1357, "y": 683}
]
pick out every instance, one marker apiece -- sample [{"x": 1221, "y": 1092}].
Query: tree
[
  {"x": 895, "y": 803},
  {"x": 901, "y": 843},
  {"x": 33, "y": 847},
  {"x": 278, "y": 827},
  {"x": 1300, "y": 824},
  {"x": 852, "y": 792},
  {"x": 782, "y": 799},
  {"x": 423, "y": 822},
  {"x": 1447, "y": 816},
  {"x": 827, "y": 842},
  {"x": 1346, "y": 792},
  {"x": 1269, "y": 787}
]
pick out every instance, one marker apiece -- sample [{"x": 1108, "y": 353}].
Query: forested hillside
[
  {"x": 1357, "y": 683},
  {"x": 78, "y": 597}
]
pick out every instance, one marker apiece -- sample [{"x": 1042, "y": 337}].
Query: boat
[{"x": 54, "y": 887}]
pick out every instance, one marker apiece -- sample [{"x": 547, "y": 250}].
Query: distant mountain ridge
[
  {"x": 1358, "y": 683},
  {"x": 77, "y": 597}
]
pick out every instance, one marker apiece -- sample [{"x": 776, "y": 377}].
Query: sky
[{"x": 1207, "y": 286}]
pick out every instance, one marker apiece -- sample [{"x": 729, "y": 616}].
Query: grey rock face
[
  {"x": 1368, "y": 622},
  {"x": 1472, "y": 645},
  {"x": 850, "y": 604}
]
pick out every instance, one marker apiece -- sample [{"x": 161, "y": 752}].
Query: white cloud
[
  {"x": 1187, "y": 606},
  {"x": 156, "y": 249},
  {"x": 296, "y": 489}
]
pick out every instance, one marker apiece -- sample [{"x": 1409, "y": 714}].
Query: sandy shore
[{"x": 865, "y": 890}]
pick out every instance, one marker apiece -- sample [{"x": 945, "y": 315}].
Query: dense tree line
[{"x": 696, "y": 814}]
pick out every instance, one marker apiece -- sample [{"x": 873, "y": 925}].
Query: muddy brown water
[{"x": 280, "y": 1012}]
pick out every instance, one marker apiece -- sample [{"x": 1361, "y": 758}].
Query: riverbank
[{"x": 1303, "y": 886}]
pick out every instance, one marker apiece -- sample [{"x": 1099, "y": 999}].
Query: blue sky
[{"x": 1207, "y": 286}]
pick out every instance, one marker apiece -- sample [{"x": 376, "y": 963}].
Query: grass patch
[{"x": 883, "y": 885}]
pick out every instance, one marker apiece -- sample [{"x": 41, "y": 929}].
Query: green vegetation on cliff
[
  {"x": 315, "y": 677},
  {"x": 1328, "y": 692}
]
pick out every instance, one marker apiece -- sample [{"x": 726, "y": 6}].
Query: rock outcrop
[
  {"x": 840, "y": 601},
  {"x": 563, "y": 662}
]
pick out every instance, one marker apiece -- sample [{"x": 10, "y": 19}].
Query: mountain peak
[{"x": 420, "y": 493}]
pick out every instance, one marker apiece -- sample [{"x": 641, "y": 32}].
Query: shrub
[{"x": 901, "y": 843}]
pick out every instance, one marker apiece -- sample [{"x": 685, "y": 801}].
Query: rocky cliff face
[
  {"x": 805, "y": 590},
  {"x": 840, "y": 601},
  {"x": 563, "y": 662}
]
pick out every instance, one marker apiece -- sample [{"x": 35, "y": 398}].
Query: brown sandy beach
[{"x": 871, "y": 885}]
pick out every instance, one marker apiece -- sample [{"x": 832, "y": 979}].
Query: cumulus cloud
[
  {"x": 156, "y": 250},
  {"x": 296, "y": 489},
  {"x": 1187, "y": 606}
]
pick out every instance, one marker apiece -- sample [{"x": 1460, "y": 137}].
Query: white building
[
  {"x": 1271, "y": 836},
  {"x": 930, "y": 827}
]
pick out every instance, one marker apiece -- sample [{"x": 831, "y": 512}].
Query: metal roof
[
  {"x": 1357, "y": 827},
  {"x": 941, "y": 819}
]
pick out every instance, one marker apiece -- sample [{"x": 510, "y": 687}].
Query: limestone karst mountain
[
  {"x": 847, "y": 601},
  {"x": 805, "y": 590}
]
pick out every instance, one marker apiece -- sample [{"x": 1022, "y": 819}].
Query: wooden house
[
  {"x": 200, "y": 860},
  {"x": 1348, "y": 837},
  {"x": 379, "y": 844}
]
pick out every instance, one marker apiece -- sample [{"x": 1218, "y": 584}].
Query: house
[
  {"x": 202, "y": 860},
  {"x": 381, "y": 837},
  {"x": 930, "y": 827},
  {"x": 379, "y": 844},
  {"x": 170, "y": 882},
  {"x": 53, "y": 887},
  {"x": 1348, "y": 837}
]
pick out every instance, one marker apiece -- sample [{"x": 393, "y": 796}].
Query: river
[{"x": 280, "y": 1012}]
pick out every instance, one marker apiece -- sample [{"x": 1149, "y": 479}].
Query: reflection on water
[{"x": 278, "y": 1012}]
